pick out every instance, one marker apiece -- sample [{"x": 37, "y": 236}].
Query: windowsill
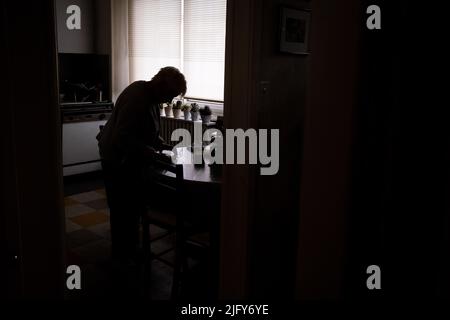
[
  {"x": 216, "y": 107},
  {"x": 213, "y": 119}
]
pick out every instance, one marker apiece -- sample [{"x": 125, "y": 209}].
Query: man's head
[{"x": 170, "y": 83}]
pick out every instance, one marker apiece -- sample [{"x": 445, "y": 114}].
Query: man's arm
[{"x": 162, "y": 145}]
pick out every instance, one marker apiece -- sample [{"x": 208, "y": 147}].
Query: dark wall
[
  {"x": 32, "y": 205},
  {"x": 282, "y": 106},
  {"x": 401, "y": 183},
  {"x": 102, "y": 23},
  {"x": 375, "y": 174},
  {"x": 95, "y": 33},
  {"x": 332, "y": 93},
  {"x": 76, "y": 41},
  {"x": 372, "y": 171}
]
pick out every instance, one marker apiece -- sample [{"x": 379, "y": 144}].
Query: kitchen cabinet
[{"x": 80, "y": 147}]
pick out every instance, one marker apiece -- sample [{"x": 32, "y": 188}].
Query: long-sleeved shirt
[{"x": 133, "y": 126}]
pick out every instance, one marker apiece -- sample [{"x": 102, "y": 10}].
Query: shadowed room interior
[{"x": 353, "y": 166}]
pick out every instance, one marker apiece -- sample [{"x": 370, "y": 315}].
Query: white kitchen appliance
[{"x": 81, "y": 124}]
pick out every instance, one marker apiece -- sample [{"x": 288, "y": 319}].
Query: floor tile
[
  {"x": 76, "y": 210},
  {"x": 105, "y": 211},
  {"x": 160, "y": 281},
  {"x": 87, "y": 196},
  {"x": 81, "y": 237},
  {"x": 101, "y": 191},
  {"x": 98, "y": 204},
  {"x": 90, "y": 219},
  {"x": 102, "y": 229},
  {"x": 70, "y": 226},
  {"x": 68, "y": 201},
  {"x": 156, "y": 231},
  {"x": 94, "y": 252},
  {"x": 163, "y": 244},
  {"x": 169, "y": 257}
]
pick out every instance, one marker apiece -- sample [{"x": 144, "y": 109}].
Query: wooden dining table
[{"x": 196, "y": 174}]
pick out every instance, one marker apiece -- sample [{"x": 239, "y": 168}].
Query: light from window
[{"x": 187, "y": 34}]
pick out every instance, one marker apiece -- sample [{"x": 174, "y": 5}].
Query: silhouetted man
[{"x": 127, "y": 143}]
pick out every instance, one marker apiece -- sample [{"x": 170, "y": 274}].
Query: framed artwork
[{"x": 294, "y": 30}]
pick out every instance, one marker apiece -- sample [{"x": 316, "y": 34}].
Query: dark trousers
[{"x": 125, "y": 195}]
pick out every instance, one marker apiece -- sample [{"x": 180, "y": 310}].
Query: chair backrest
[{"x": 167, "y": 181}]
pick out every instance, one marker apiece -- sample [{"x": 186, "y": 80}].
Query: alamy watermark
[
  {"x": 374, "y": 20},
  {"x": 73, "y": 21},
  {"x": 374, "y": 280},
  {"x": 74, "y": 279},
  {"x": 235, "y": 147}
]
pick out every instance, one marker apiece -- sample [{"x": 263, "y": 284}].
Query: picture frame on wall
[{"x": 294, "y": 30}]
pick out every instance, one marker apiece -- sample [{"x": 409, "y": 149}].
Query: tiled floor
[
  {"x": 86, "y": 223},
  {"x": 89, "y": 246}
]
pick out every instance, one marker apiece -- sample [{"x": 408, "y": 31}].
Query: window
[{"x": 187, "y": 34}]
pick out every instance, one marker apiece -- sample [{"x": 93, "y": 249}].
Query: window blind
[
  {"x": 154, "y": 38},
  {"x": 187, "y": 34},
  {"x": 204, "y": 47}
]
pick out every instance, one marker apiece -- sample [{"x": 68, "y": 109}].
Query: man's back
[{"x": 132, "y": 127}]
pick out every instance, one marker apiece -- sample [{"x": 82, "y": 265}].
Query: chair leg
[
  {"x": 176, "y": 270},
  {"x": 146, "y": 240},
  {"x": 180, "y": 265},
  {"x": 145, "y": 268}
]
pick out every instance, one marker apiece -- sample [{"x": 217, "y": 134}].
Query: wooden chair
[
  {"x": 166, "y": 215},
  {"x": 177, "y": 212}
]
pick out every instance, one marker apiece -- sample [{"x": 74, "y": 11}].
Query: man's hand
[
  {"x": 150, "y": 153},
  {"x": 163, "y": 157},
  {"x": 162, "y": 145},
  {"x": 166, "y": 146}
]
